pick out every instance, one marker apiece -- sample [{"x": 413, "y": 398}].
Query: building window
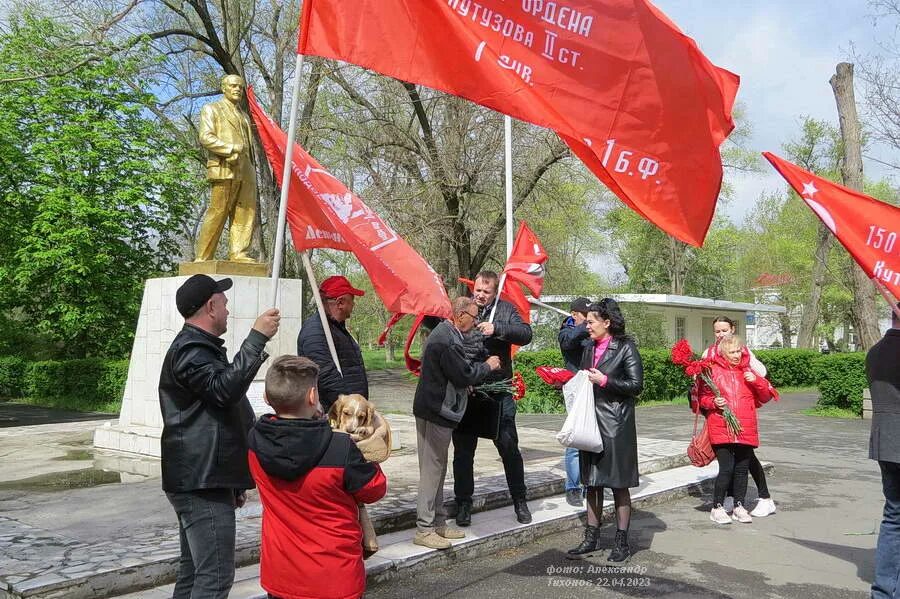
[{"x": 679, "y": 328}]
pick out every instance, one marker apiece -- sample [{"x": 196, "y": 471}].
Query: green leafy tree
[{"x": 92, "y": 195}]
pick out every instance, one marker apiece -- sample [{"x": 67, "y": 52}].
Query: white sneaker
[
  {"x": 719, "y": 516},
  {"x": 740, "y": 515},
  {"x": 764, "y": 507},
  {"x": 729, "y": 504}
]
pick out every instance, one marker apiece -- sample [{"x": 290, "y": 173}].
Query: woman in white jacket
[{"x": 725, "y": 327}]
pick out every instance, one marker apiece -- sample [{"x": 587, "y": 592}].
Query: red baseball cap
[{"x": 336, "y": 286}]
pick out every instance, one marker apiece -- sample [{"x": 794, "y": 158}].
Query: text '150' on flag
[
  {"x": 868, "y": 228},
  {"x": 631, "y": 95},
  {"x": 323, "y": 213}
]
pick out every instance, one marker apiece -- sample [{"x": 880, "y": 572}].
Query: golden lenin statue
[{"x": 230, "y": 169}]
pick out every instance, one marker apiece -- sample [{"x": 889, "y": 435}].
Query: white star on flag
[{"x": 809, "y": 189}]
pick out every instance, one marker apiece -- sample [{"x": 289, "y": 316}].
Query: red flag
[
  {"x": 868, "y": 228},
  {"x": 526, "y": 263},
  {"x": 324, "y": 213},
  {"x": 629, "y": 93}
]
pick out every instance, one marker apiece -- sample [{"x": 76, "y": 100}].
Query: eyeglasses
[{"x": 473, "y": 316}]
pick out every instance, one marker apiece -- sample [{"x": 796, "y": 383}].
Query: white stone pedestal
[{"x": 140, "y": 421}]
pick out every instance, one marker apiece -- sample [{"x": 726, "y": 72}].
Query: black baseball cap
[
  {"x": 196, "y": 291},
  {"x": 580, "y": 304}
]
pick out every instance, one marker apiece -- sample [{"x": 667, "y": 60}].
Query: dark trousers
[
  {"x": 758, "y": 475},
  {"x": 734, "y": 461},
  {"x": 206, "y": 529},
  {"x": 887, "y": 553},
  {"x": 507, "y": 444}
]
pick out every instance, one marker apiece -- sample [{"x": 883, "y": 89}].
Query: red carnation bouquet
[
  {"x": 693, "y": 365},
  {"x": 514, "y": 386}
]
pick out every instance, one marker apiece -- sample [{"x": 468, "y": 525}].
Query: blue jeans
[
  {"x": 573, "y": 474},
  {"x": 887, "y": 554},
  {"x": 206, "y": 529}
]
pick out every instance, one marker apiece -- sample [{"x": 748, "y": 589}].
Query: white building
[{"x": 691, "y": 318}]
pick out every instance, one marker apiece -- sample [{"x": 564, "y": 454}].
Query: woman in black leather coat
[{"x": 615, "y": 369}]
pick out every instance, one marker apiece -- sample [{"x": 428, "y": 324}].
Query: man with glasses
[
  {"x": 338, "y": 296},
  {"x": 439, "y": 405},
  {"x": 492, "y": 338}
]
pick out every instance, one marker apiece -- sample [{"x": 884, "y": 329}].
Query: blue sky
[{"x": 785, "y": 52}]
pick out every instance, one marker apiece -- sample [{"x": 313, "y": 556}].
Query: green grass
[
  {"x": 678, "y": 401},
  {"x": 783, "y": 390},
  {"x": 374, "y": 359},
  {"x": 66, "y": 403},
  {"x": 831, "y": 412}
]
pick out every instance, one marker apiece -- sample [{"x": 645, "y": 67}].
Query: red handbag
[{"x": 700, "y": 450}]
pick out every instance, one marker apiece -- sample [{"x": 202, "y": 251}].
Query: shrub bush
[
  {"x": 12, "y": 376},
  {"x": 789, "y": 367},
  {"x": 841, "y": 380},
  {"x": 663, "y": 381},
  {"x": 89, "y": 384}
]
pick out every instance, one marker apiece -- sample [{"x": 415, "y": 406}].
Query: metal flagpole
[
  {"x": 507, "y": 147},
  {"x": 538, "y": 302},
  {"x": 286, "y": 180},
  {"x": 311, "y": 277},
  {"x": 282, "y": 217}
]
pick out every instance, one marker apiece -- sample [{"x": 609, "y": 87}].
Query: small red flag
[
  {"x": 526, "y": 263},
  {"x": 867, "y": 227},
  {"x": 624, "y": 87}
]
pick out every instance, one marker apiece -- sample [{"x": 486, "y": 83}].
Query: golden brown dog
[{"x": 353, "y": 414}]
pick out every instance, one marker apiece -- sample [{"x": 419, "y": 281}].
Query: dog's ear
[
  {"x": 370, "y": 413},
  {"x": 334, "y": 414}
]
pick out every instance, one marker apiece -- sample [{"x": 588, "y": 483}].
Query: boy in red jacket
[{"x": 310, "y": 480}]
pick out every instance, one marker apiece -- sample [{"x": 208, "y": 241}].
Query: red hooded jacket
[
  {"x": 310, "y": 481},
  {"x": 743, "y": 398}
]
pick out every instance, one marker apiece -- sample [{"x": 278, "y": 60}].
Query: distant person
[
  {"x": 765, "y": 506},
  {"x": 206, "y": 416},
  {"x": 439, "y": 405},
  {"x": 338, "y": 295},
  {"x": 310, "y": 481},
  {"x": 883, "y": 373},
  {"x": 742, "y": 391},
  {"x": 572, "y": 334},
  {"x": 615, "y": 368},
  {"x": 493, "y": 339}
]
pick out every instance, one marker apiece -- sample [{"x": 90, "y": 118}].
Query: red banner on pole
[
  {"x": 526, "y": 263},
  {"x": 322, "y": 212},
  {"x": 868, "y": 228},
  {"x": 629, "y": 93}
]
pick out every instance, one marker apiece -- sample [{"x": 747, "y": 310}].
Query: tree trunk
[
  {"x": 785, "y": 321},
  {"x": 864, "y": 316},
  {"x": 677, "y": 265},
  {"x": 805, "y": 337}
]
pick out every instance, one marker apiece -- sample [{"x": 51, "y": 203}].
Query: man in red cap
[{"x": 338, "y": 296}]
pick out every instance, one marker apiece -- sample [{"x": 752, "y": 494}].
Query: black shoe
[
  {"x": 523, "y": 515},
  {"x": 573, "y": 497},
  {"x": 621, "y": 551},
  {"x": 588, "y": 545},
  {"x": 464, "y": 513}
]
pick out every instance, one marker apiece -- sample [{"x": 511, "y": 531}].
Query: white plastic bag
[{"x": 580, "y": 429}]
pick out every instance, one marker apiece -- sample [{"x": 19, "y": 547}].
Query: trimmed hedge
[
  {"x": 663, "y": 381},
  {"x": 790, "y": 367},
  {"x": 841, "y": 379},
  {"x": 12, "y": 373},
  {"x": 89, "y": 384}
]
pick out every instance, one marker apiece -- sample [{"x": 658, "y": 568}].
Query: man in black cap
[
  {"x": 572, "y": 334},
  {"x": 206, "y": 417}
]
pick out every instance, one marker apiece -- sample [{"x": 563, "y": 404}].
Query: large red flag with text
[
  {"x": 632, "y": 96},
  {"x": 526, "y": 262},
  {"x": 322, "y": 212},
  {"x": 868, "y": 228}
]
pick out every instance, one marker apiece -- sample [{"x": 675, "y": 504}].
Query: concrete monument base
[
  {"x": 140, "y": 422},
  {"x": 224, "y": 267}
]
